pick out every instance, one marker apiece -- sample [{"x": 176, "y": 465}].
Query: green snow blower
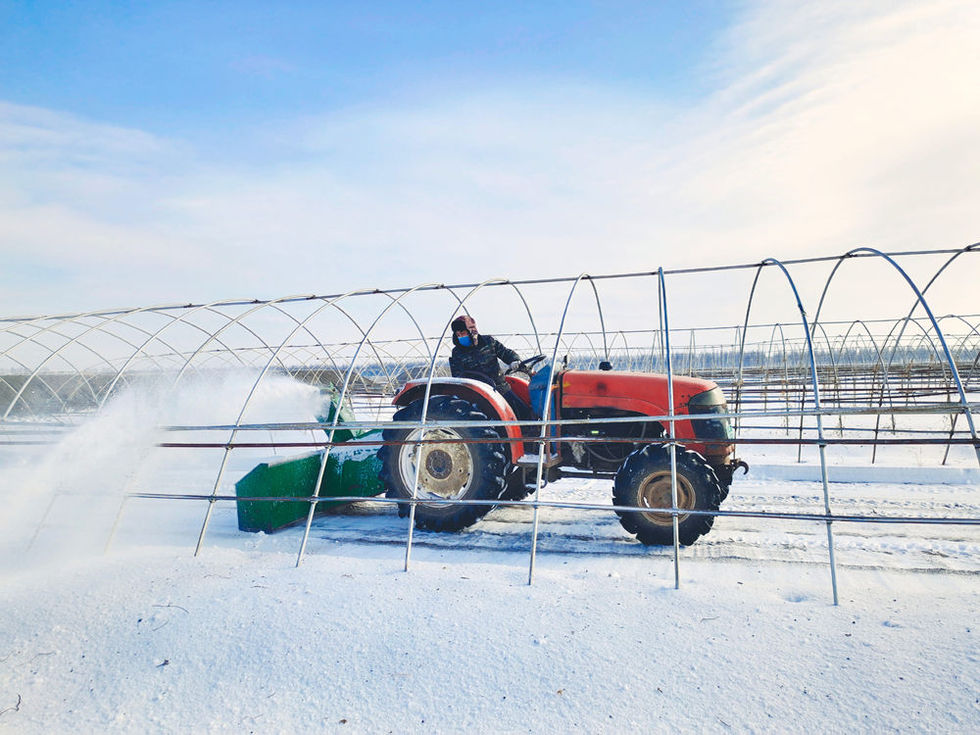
[{"x": 352, "y": 471}]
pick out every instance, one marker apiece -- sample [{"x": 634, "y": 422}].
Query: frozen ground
[{"x": 148, "y": 638}]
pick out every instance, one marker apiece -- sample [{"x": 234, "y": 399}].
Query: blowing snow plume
[{"x": 63, "y": 499}]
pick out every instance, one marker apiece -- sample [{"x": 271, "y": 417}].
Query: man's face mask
[
  {"x": 467, "y": 334},
  {"x": 467, "y": 337}
]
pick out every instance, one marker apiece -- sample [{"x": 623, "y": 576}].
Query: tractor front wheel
[
  {"x": 448, "y": 465},
  {"x": 644, "y": 481}
]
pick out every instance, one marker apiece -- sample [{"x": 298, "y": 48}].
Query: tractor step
[{"x": 531, "y": 460}]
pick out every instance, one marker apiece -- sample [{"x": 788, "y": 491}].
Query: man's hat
[{"x": 464, "y": 324}]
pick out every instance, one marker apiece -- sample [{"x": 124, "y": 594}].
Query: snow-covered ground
[
  {"x": 241, "y": 641},
  {"x": 145, "y": 637}
]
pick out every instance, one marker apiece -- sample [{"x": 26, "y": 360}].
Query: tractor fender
[{"x": 484, "y": 396}]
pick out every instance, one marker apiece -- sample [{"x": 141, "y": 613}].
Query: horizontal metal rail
[
  {"x": 826, "y": 442},
  {"x": 818, "y": 517},
  {"x": 932, "y": 408},
  {"x": 461, "y": 286}
]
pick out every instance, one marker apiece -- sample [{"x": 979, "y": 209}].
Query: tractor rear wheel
[
  {"x": 644, "y": 482},
  {"x": 447, "y": 465}
]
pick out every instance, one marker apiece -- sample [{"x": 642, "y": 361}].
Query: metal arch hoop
[
  {"x": 885, "y": 382},
  {"x": 833, "y": 362},
  {"x": 741, "y": 349},
  {"x": 530, "y": 315},
  {"x": 782, "y": 342},
  {"x": 40, "y": 379},
  {"x": 64, "y": 346},
  {"x": 431, "y": 374},
  {"x": 547, "y": 409},
  {"x": 920, "y": 299},
  {"x": 973, "y": 331},
  {"x": 428, "y": 394},
  {"x": 816, "y": 397},
  {"x": 602, "y": 321},
  {"x": 569, "y": 346},
  {"x": 621, "y": 336},
  {"x": 265, "y": 369},
  {"x": 975, "y": 247},
  {"x": 182, "y": 318},
  {"x": 542, "y": 446},
  {"x": 233, "y": 321},
  {"x": 662, "y": 298},
  {"x": 239, "y": 321},
  {"x": 32, "y": 339},
  {"x": 340, "y": 402}
]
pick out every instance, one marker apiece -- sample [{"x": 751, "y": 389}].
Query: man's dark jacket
[{"x": 481, "y": 358}]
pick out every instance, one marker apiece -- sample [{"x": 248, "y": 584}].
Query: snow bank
[{"x": 869, "y": 473}]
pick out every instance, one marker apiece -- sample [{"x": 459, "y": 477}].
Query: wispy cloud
[{"x": 836, "y": 122}]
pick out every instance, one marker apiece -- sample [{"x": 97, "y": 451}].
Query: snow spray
[{"x": 63, "y": 499}]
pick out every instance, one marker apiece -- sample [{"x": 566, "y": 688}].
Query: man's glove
[{"x": 514, "y": 366}]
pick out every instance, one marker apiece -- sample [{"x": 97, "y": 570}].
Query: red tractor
[{"x": 499, "y": 462}]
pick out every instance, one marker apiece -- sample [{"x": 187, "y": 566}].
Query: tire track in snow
[{"x": 909, "y": 547}]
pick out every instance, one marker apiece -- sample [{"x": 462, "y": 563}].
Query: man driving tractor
[
  {"x": 472, "y": 450},
  {"x": 478, "y": 356}
]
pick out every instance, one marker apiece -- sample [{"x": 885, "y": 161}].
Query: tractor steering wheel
[{"x": 526, "y": 365}]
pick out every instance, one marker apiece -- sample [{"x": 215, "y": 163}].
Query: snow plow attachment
[{"x": 351, "y": 471}]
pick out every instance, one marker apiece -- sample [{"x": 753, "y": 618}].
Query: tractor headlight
[{"x": 711, "y": 401}]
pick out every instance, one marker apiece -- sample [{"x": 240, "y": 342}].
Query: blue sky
[
  {"x": 181, "y": 67},
  {"x": 175, "y": 152}
]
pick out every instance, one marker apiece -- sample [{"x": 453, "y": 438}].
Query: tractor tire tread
[
  {"x": 491, "y": 463},
  {"x": 704, "y": 481}
]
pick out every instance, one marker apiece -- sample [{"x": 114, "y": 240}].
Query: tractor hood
[{"x": 644, "y": 393}]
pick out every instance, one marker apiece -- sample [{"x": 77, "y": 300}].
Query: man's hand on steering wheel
[{"x": 524, "y": 366}]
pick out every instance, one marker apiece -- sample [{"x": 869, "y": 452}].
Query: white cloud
[{"x": 34, "y": 134}]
